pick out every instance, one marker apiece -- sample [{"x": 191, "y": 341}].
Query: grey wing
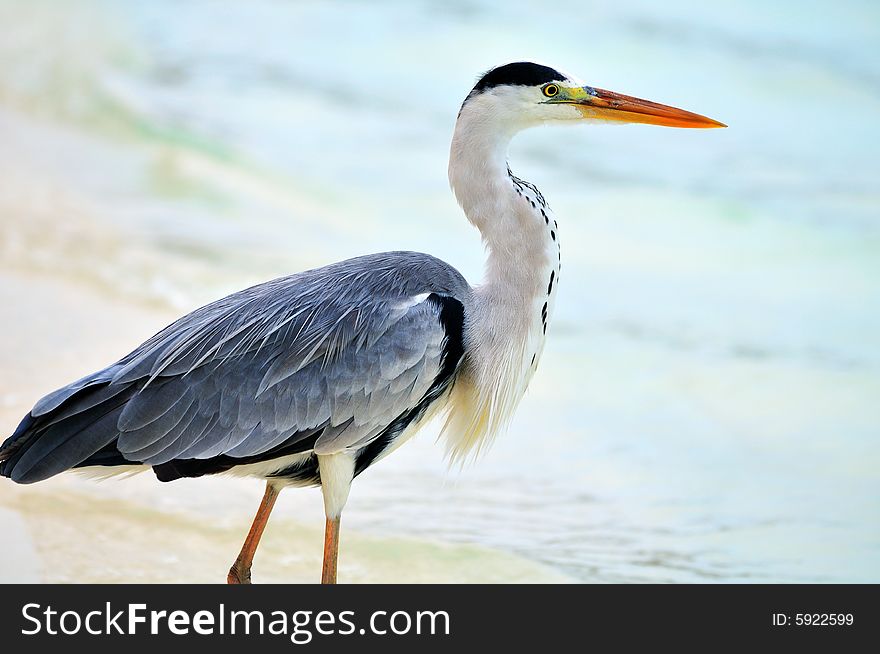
[
  {"x": 340, "y": 395},
  {"x": 324, "y": 362}
]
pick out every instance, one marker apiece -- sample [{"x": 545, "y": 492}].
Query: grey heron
[{"x": 310, "y": 379}]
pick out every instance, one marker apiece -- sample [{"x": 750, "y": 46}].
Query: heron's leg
[
  {"x": 331, "y": 551},
  {"x": 337, "y": 471},
  {"x": 240, "y": 572}
]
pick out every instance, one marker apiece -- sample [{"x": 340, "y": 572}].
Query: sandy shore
[{"x": 71, "y": 529}]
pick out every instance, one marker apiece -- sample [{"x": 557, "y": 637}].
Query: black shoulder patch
[{"x": 520, "y": 73}]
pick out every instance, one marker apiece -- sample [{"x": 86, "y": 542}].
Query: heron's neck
[
  {"x": 514, "y": 303},
  {"x": 506, "y": 327},
  {"x": 514, "y": 220}
]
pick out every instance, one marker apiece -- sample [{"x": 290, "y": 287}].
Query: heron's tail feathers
[{"x": 64, "y": 429}]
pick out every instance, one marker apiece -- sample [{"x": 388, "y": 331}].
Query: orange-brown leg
[
  {"x": 331, "y": 551},
  {"x": 240, "y": 572}
]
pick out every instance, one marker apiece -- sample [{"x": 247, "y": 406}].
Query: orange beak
[{"x": 608, "y": 105}]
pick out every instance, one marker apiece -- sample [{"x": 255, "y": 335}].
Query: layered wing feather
[{"x": 327, "y": 358}]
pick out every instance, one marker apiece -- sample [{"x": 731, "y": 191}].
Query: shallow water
[{"x": 706, "y": 409}]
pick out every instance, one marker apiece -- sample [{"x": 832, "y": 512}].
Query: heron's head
[{"x": 523, "y": 94}]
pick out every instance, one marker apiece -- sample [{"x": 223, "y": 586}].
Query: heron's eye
[{"x": 550, "y": 90}]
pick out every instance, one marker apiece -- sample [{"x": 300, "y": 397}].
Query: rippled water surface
[{"x": 707, "y": 406}]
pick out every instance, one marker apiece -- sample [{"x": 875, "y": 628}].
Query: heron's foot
[{"x": 238, "y": 576}]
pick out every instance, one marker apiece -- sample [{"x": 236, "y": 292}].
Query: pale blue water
[{"x": 707, "y": 407}]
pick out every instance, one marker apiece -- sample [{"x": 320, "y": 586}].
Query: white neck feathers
[{"x": 505, "y": 333}]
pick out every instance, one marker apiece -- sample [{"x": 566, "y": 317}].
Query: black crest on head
[{"x": 520, "y": 73}]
